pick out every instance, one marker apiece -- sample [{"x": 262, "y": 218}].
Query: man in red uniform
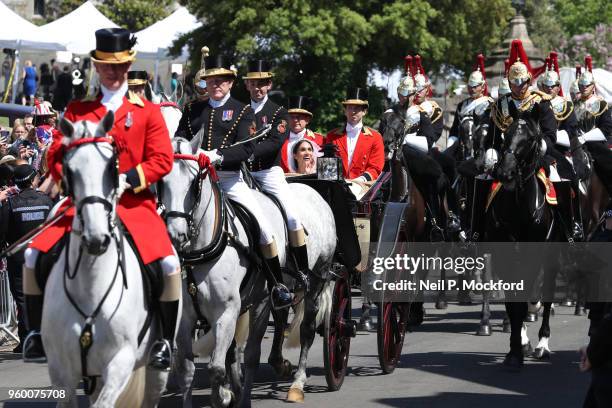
[
  {"x": 361, "y": 148},
  {"x": 299, "y": 117},
  {"x": 145, "y": 155}
]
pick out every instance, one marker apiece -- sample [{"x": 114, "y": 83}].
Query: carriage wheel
[
  {"x": 339, "y": 328},
  {"x": 390, "y": 334}
]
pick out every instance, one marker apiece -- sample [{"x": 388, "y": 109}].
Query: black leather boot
[
  {"x": 564, "y": 206},
  {"x": 33, "y": 350},
  {"x": 577, "y": 212},
  {"x": 301, "y": 257},
  {"x": 160, "y": 357},
  {"x": 482, "y": 186},
  {"x": 280, "y": 295}
]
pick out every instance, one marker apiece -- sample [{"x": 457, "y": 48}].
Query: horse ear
[
  {"x": 106, "y": 124},
  {"x": 66, "y": 127},
  {"x": 196, "y": 142}
]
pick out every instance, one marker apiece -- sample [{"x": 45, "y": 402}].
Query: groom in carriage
[{"x": 141, "y": 138}]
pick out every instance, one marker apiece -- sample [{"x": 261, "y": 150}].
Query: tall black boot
[
  {"x": 301, "y": 257},
  {"x": 564, "y": 206},
  {"x": 33, "y": 350},
  {"x": 280, "y": 295},
  {"x": 482, "y": 185},
  {"x": 436, "y": 234},
  {"x": 160, "y": 357},
  {"x": 577, "y": 212}
]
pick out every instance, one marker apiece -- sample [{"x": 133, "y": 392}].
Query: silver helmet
[{"x": 406, "y": 86}]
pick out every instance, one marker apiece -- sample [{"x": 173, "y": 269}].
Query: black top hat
[
  {"x": 216, "y": 66},
  {"x": 136, "y": 78},
  {"x": 23, "y": 173},
  {"x": 258, "y": 69},
  {"x": 114, "y": 46},
  {"x": 300, "y": 104},
  {"x": 356, "y": 96}
]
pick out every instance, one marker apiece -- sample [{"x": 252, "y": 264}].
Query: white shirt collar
[
  {"x": 218, "y": 104},
  {"x": 297, "y": 136},
  {"x": 257, "y": 106},
  {"x": 351, "y": 130},
  {"x": 113, "y": 100}
]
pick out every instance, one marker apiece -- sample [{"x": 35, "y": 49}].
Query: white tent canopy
[
  {"x": 154, "y": 41},
  {"x": 75, "y": 31},
  {"x": 14, "y": 27},
  {"x": 603, "y": 81}
]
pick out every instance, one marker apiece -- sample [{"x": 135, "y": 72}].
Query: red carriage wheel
[
  {"x": 339, "y": 328},
  {"x": 390, "y": 334}
]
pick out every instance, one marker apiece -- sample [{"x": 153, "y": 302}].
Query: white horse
[
  {"x": 95, "y": 297},
  {"x": 194, "y": 219}
]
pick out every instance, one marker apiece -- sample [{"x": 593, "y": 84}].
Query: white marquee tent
[
  {"x": 14, "y": 28},
  {"x": 603, "y": 81}
]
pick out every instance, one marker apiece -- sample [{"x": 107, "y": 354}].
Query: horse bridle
[
  {"x": 521, "y": 162},
  {"x": 67, "y": 178}
]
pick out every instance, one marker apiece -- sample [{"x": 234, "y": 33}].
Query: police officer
[
  {"x": 265, "y": 163},
  {"x": 19, "y": 215},
  {"x": 225, "y": 121}
]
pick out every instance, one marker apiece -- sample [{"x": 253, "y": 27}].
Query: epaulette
[
  {"x": 542, "y": 95},
  {"x": 135, "y": 99}
]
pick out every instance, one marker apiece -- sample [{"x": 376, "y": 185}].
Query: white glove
[
  {"x": 451, "y": 141},
  {"x": 491, "y": 159},
  {"x": 543, "y": 147},
  {"x": 214, "y": 156},
  {"x": 418, "y": 142},
  {"x": 123, "y": 185},
  {"x": 360, "y": 179},
  {"x": 563, "y": 138},
  {"x": 593, "y": 135}
]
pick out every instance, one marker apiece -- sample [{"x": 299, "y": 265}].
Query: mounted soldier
[
  {"x": 192, "y": 119},
  {"x": 264, "y": 164},
  {"x": 563, "y": 109},
  {"x": 300, "y": 115},
  {"x": 138, "y": 82},
  {"x": 144, "y": 156}
]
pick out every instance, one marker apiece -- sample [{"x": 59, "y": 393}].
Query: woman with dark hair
[{"x": 304, "y": 155}]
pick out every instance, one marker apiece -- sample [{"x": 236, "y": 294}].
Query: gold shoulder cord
[
  {"x": 601, "y": 109},
  {"x": 567, "y": 110},
  {"x": 503, "y": 123},
  {"x": 435, "y": 119}
]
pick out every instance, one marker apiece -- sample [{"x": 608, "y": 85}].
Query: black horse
[{"x": 518, "y": 212}]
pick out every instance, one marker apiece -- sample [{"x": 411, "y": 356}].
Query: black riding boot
[
  {"x": 33, "y": 350},
  {"x": 436, "y": 234},
  {"x": 279, "y": 294},
  {"x": 301, "y": 257},
  {"x": 482, "y": 185},
  {"x": 577, "y": 212},
  {"x": 453, "y": 223},
  {"x": 564, "y": 206},
  {"x": 161, "y": 352}
]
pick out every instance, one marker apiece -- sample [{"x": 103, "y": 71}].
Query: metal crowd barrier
[{"x": 8, "y": 314}]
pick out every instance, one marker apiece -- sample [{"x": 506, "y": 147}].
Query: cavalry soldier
[
  {"x": 138, "y": 82},
  {"x": 192, "y": 119},
  {"x": 264, "y": 165},
  {"x": 361, "y": 148},
  {"x": 567, "y": 130},
  {"x": 145, "y": 155},
  {"x": 223, "y": 122},
  {"x": 299, "y": 117},
  {"x": 18, "y": 216}
]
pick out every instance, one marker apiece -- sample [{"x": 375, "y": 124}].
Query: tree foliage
[
  {"x": 135, "y": 15},
  {"x": 320, "y": 48}
]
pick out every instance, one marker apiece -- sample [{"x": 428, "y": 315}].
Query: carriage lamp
[{"x": 329, "y": 166}]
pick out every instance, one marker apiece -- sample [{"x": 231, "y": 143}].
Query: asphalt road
[{"x": 443, "y": 365}]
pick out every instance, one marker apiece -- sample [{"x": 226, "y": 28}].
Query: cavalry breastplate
[
  {"x": 413, "y": 119},
  {"x": 587, "y": 112},
  {"x": 475, "y": 107}
]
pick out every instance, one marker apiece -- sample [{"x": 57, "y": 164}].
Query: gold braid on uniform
[
  {"x": 602, "y": 109},
  {"x": 229, "y": 132},
  {"x": 262, "y": 139},
  {"x": 435, "y": 118},
  {"x": 188, "y": 112},
  {"x": 501, "y": 121},
  {"x": 568, "y": 108}
]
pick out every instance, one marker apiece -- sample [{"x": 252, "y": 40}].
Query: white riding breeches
[
  {"x": 273, "y": 181},
  {"x": 233, "y": 185}
]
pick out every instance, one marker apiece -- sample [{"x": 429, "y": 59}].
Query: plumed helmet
[
  {"x": 586, "y": 79},
  {"x": 476, "y": 78},
  {"x": 518, "y": 73},
  {"x": 421, "y": 82},
  {"x": 550, "y": 78},
  {"x": 574, "y": 89},
  {"x": 504, "y": 87},
  {"x": 406, "y": 86}
]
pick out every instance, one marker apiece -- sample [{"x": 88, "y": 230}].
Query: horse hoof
[
  {"x": 283, "y": 369},
  {"x": 484, "y": 330},
  {"x": 552, "y": 311},
  {"x": 295, "y": 395},
  {"x": 541, "y": 353},
  {"x": 527, "y": 350},
  {"x": 531, "y": 317},
  {"x": 441, "y": 304}
]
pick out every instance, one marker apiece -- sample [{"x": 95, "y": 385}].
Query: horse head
[
  {"x": 520, "y": 153},
  {"x": 178, "y": 191},
  {"x": 172, "y": 114},
  {"x": 90, "y": 178},
  {"x": 393, "y": 131}
]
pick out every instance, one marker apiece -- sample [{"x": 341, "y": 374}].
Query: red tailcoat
[
  {"x": 309, "y": 135},
  {"x": 368, "y": 157},
  {"x": 145, "y": 155}
]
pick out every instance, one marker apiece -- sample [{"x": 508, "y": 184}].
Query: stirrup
[
  {"x": 281, "y": 297},
  {"x": 160, "y": 357},
  {"x": 33, "y": 349}
]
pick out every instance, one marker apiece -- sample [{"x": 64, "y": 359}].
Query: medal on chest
[
  {"x": 128, "y": 120},
  {"x": 227, "y": 115},
  {"x": 264, "y": 120}
]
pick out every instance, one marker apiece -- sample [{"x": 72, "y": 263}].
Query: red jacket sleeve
[
  {"x": 376, "y": 160},
  {"x": 157, "y": 157},
  {"x": 55, "y": 154}
]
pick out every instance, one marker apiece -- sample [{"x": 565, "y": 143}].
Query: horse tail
[
  {"x": 133, "y": 394},
  {"x": 242, "y": 329},
  {"x": 325, "y": 303}
]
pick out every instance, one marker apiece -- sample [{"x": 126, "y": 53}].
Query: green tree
[
  {"x": 320, "y": 48},
  {"x": 578, "y": 17},
  {"x": 136, "y": 15},
  {"x": 55, "y": 9}
]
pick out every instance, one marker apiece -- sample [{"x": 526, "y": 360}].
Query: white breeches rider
[
  {"x": 273, "y": 181},
  {"x": 233, "y": 185}
]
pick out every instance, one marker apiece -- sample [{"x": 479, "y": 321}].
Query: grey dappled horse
[
  {"x": 192, "y": 206},
  {"x": 89, "y": 274}
]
